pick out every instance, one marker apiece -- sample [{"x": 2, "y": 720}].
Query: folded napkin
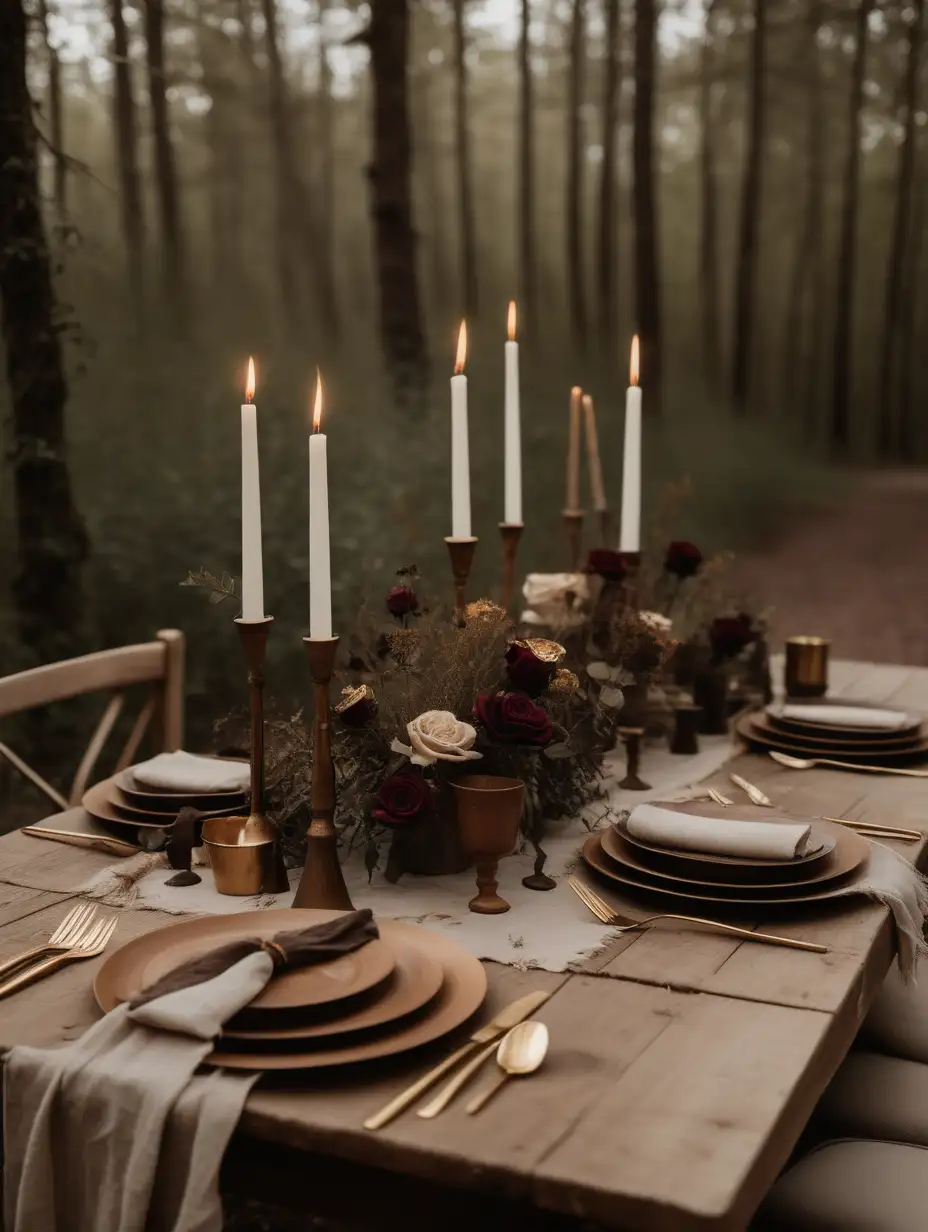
[
  {"x": 114, "y": 1132},
  {"x": 182, "y": 771},
  {"x": 848, "y": 716},
  {"x": 722, "y": 836}
]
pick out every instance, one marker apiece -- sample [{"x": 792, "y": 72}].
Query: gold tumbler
[
  {"x": 240, "y": 866},
  {"x": 806, "y": 672}
]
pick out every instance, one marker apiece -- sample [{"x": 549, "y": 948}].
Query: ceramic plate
[
  {"x": 167, "y": 801},
  {"x": 769, "y": 739},
  {"x": 829, "y": 738},
  {"x": 103, "y": 802},
  {"x": 834, "y": 730}
]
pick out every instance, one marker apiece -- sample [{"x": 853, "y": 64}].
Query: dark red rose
[
  {"x": 526, "y": 671},
  {"x": 403, "y": 799},
  {"x": 513, "y": 718},
  {"x": 608, "y": 564},
  {"x": 402, "y": 601},
  {"x": 683, "y": 558},
  {"x": 729, "y": 635},
  {"x": 358, "y": 707}
]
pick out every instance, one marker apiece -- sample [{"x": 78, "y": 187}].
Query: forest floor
[{"x": 856, "y": 573}]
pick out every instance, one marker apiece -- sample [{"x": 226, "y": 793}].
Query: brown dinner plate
[
  {"x": 819, "y": 737},
  {"x": 102, "y": 802},
  {"x": 910, "y": 728},
  {"x": 141, "y": 961},
  {"x": 845, "y": 853},
  {"x": 165, "y": 801},
  {"x": 597, "y": 859},
  {"x": 847, "y": 753}
]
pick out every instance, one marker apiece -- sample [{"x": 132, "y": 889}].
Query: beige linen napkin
[
  {"x": 180, "y": 771},
  {"x": 722, "y": 836},
  {"x": 848, "y": 716}
]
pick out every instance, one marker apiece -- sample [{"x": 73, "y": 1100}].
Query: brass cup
[
  {"x": 489, "y": 812},
  {"x": 239, "y": 867},
  {"x": 806, "y": 673}
]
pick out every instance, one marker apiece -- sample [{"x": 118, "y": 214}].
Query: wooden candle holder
[
  {"x": 322, "y": 883},
  {"x": 632, "y": 561},
  {"x": 510, "y": 533},
  {"x": 461, "y": 552},
  {"x": 573, "y": 524},
  {"x": 631, "y": 737}
]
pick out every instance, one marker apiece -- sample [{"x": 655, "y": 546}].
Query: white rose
[{"x": 437, "y": 735}]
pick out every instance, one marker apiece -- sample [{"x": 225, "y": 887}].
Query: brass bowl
[{"x": 240, "y": 866}]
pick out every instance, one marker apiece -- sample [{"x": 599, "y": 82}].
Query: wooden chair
[{"x": 159, "y": 663}]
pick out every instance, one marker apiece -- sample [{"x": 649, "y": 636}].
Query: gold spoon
[
  {"x": 520, "y": 1052},
  {"x": 809, "y": 763}
]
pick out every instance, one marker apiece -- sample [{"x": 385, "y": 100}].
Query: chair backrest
[{"x": 159, "y": 663}]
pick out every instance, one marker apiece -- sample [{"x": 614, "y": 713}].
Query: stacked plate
[
  {"x": 833, "y": 856},
  {"x": 407, "y": 988},
  {"x": 857, "y": 731},
  {"x": 121, "y": 802}
]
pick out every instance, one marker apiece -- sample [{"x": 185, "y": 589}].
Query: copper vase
[{"x": 489, "y": 812}]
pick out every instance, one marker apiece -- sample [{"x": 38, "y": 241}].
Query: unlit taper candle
[
  {"x": 512, "y": 504},
  {"x": 630, "y": 534},
  {"x": 597, "y": 488},
  {"x": 320, "y": 575},
  {"x": 252, "y": 564},
  {"x": 573, "y": 452},
  {"x": 460, "y": 455}
]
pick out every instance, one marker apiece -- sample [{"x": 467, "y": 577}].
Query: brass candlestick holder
[
  {"x": 461, "y": 552},
  {"x": 632, "y": 561},
  {"x": 322, "y": 883},
  {"x": 631, "y": 737},
  {"x": 573, "y": 524},
  {"x": 510, "y": 533},
  {"x": 258, "y": 828}
]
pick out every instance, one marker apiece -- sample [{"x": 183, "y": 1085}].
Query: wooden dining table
[{"x": 683, "y": 1065}]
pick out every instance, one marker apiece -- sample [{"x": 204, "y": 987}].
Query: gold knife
[
  {"x": 97, "y": 842},
  {"x": 504, "y": 1021},
  {"x": 755, "y": 793}
]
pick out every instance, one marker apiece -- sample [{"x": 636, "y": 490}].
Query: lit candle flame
[
  {"x": 635, "y": 365},
  {"x": 250, "y": 381},
  {"x": 317, "y": 403},
  {"x": 512, "y": 320},
  {"x": 462, "y": 349},
  {"x": 576, "y": 393}
]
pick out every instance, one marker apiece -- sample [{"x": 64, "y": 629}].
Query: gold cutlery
[
  {"x": 69, "y": 931},
  {"x": 754, "y": 794},
  {"x": 520, "y": 1053},
  {"x": 90, "y": 944},
  {"x": 96, "y": 842},
  {"x": 871, "y": 829},
  {"x": 504, "y": 1021},
  {"x": 606, "y": 915},
  {"x": 719, "y": 798},
  {"x": 809, "y": 763}
]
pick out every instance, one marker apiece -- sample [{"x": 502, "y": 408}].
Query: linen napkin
[
  {"x": 848, "y": 716},
  {"x": 723, "y": 836},
  {"x": 115, "y": 1132},
  {"x": 180, "y": 771}
]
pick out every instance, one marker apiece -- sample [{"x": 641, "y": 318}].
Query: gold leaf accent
[
  {"x": 543, "y": 648},
  {"x": 353, "y": 694}
]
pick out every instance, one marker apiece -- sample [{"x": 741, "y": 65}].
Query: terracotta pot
[{"x": 489, "y": 812}]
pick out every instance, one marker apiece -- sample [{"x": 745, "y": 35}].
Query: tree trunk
[
  {"x": 51, "y": 540},
  {"x": 326, "y": 214},
  {"x": 647, "y": 262},
  {"x": 430, "y": 162},
  {"x": 165, "y": 170},
  {"x": 55, "y": 121},
  {"x": 527, "y": 256},
  {"x": 898, "y": 245},
  {"x": 709, "y": 223},
  {"x": 847, "y": 244},
  {"x": 284, "y": 175},
  {"x": 608, "y": 189},
  {"x": 749, "y": 230},
  {"x": 463, "y": 163},
  {"x": 126, "y": 132},
  {"x": 391, "y": 198},
  {"x": 575, "y": 152},
  {"x": 911, "y": 304}
]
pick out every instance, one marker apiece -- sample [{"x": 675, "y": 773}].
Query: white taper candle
[
  {"x": 460, "y": 451},
  {"x": 320, "y": 574},
  {"x": 512, "y": 505},
  {"x": 630, "y": 534},
  {"x": 252, "y": 564}
]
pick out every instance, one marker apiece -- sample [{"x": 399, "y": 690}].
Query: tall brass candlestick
[
  {"x": 322, "y": 883},
  {"x": 258, "y": 828},
  {"x": 632, "y": 570},
  {"x": 461, "y": 552},
  {"x": 511, "y": 533},
  {"x": 573, "y": 524}
]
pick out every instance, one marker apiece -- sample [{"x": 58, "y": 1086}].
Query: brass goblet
[{"x": 489, "y": 812}]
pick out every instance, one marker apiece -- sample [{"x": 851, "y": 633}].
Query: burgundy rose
[
  {"x": 683, "y": 558},
  {"x": 358, "y": 707},
  {"x": 526, "y": 671},
  {"x": 608, "y": 564},
  {"x": 729, "y": 635},
  {"x": 403, "y": 799},
  {"x": 513, "y": 718},
  {"x": 402, "y": 601}
]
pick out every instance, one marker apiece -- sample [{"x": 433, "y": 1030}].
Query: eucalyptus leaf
[
  {"x": 598, "y": 670},
  {"x": 611, "y": 697},
  {"x": 559, "y": 751}
]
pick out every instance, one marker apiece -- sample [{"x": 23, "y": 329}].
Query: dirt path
[{"x": 857, "y": 574}]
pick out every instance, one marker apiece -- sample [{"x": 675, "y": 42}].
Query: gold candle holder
[
  {"x": 510, "y": 533},
  {"x": 632, "y": 737},
  {"x": 461, "y": 552},
  {"x": 573, "y": 524},
  {"x": 322, "y": 883},
  {"x": 632, "y": 562},
  {"x": 258, "y": 828},
  {"x": 806, "y": 671}
]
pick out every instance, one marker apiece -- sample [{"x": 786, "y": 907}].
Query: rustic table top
[{"x": 683, "y": 1065}]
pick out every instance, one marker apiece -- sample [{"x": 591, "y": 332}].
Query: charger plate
[
  {"x": 145, "y": 959},
  {"x": 844, "y": 854},
  {"x": 820, "y": 737},
  {"x": 165, "y": 801},
  {"x": 596, "y": 858},
  {"x": 768, "y": 739},
  {"x": 101, "y": 802},
  {"x": 809, "y": 726}
]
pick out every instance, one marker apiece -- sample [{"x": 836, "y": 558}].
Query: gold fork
[
  {"x": 870, "y": 829},
  {"x": 68, "y": 932},
  {"x": 92, "y": 943},
  {"x": 606, "y": 915}
]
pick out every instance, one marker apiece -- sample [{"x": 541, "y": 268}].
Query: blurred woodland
[{"x": 187, "y": 182}]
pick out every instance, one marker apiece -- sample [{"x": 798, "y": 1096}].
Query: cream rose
[{"x": 437, "y": 735}]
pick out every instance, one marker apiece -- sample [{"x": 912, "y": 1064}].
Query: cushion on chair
[
  {"x": 897, "y": 1024},
  {"x": 873, "y": 1096},
  {"x": 851, "y": 1186}
]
